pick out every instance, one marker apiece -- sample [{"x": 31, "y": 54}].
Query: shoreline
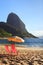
[{"x": 21, "y": 49}]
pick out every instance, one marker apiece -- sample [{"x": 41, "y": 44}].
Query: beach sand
[{"x": 25, "y": 56}]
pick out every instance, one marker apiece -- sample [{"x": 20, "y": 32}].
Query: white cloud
[{"x": 37, "y": 33}]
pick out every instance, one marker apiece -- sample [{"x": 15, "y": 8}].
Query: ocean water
[
  {"x": 29, "y": 42},
  {"x": 34, "y": 42}
]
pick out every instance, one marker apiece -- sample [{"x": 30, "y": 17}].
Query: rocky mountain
[
  {"x": 9, "y": 28},
  {"x": 16, "y": 22},
  {"x": 15, "y": 26}
]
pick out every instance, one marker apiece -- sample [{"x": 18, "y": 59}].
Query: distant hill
[
  {"x": 15, "y": 26},
  {"x": 41, "y": 37}
]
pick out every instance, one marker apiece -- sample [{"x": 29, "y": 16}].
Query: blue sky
[{"x": 30, "y": 12}]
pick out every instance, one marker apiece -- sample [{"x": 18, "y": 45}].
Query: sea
[{"x": 28, "y": 42}]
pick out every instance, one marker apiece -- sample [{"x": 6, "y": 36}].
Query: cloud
[{"x": 37, "y": 33}]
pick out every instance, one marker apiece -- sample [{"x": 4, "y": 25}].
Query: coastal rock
[
  {"x": 16, "y": 22},
  {"x": 15, "y": 26}
]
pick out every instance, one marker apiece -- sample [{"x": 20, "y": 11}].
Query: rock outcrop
[
  {"x": 15, "y": 26},
  {"x": 16, "y": 22}
]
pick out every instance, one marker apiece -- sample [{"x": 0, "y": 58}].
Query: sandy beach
[{"x": 25, "y": 56}]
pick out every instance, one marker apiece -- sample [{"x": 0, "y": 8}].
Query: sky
[{"x": 29, "y": 11}]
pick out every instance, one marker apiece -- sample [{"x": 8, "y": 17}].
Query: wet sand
[{"x": 25, "y": 56}]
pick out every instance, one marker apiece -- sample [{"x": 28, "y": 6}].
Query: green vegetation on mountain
[{"x": 3, "y": 33}]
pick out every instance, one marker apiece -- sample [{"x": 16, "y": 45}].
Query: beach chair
[
  {"x": 7, "y": 49},
  {"x": 13, "y": 49}
]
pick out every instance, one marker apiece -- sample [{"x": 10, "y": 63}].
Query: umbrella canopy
[{"x": 16, "y": 39}]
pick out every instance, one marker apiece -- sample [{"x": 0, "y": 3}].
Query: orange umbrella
[{"x": 15, "y": 39}]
